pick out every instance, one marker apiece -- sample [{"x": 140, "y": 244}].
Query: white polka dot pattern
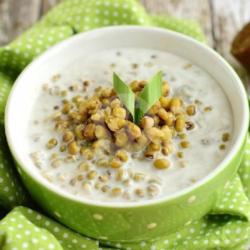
[{"x": 27, "y": 229}]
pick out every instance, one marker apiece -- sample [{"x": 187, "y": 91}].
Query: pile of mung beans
[
  {"x": 100, "y": 127},
  {"x": 99, "y": 130}
]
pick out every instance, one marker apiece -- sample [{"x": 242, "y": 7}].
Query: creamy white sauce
[{"x": 189, "y": 83}]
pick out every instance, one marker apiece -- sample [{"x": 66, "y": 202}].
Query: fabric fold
[
  {"x": 12, "y": 192},
  {"x": 24, "y": 228}
]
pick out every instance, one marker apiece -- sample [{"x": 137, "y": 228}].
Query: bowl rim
[{"x": 220, "y": 167}]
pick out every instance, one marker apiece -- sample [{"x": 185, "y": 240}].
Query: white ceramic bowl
[{"x": 124, "y": 221}]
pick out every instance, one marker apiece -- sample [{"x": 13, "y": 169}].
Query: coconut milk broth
[{"x": 186, "y": 81}]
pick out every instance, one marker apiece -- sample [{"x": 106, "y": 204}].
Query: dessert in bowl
[
  {"x": 83, "y": 138},
  {"x": 105, "y": 169}
]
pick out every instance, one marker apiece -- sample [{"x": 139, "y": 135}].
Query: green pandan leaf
[
  {"x": 144, "y": 101},
  {"x": 125, "y": 94},
  {"x": 149, "y": 96}
]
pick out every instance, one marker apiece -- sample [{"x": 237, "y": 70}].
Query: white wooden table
[{"x": 220, "y": 19}]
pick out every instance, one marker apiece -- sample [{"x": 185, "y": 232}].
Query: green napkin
[{"x": 226, "y": 227}]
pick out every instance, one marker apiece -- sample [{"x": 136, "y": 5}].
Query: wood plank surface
[
  {"x": 227, "y": 21},
  {"x": 48, "y": 4},
  {"x": 16, "y": 16},
  {"x": 228, "y": 18},
  {"x": 196, "y": 9}
]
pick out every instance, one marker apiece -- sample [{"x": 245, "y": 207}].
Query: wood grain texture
[
  {"x": 16, "y": 16},
  {"x": 198, "y": 10},
  {"x": 48, "y": 4},
  {"x": 227, "y": 21}
]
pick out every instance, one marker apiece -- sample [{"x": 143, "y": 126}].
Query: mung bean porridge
[{"x": 82, "y": 138}]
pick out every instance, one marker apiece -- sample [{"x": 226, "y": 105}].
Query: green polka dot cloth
[{"x": 227, "y": 227}]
